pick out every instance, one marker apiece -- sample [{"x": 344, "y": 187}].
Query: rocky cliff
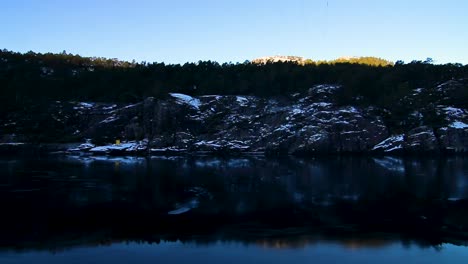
[{"x": 297, "y": 124}]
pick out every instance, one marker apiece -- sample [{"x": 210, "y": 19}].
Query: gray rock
[
  {"x": 307, "y": 123},
  {"x": 421, "y": 139},
  {"x": 453, "y": 140}
]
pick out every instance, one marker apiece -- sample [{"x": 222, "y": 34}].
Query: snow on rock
[
  {"x": 417, "y": 91},
  {"x": 242, "y": 100},
  {"x": 119, "y": 110},
  {"x": 390, "y": 144},
  {"x": 83, "y": 105},
  {"x": 9, "y": 124},
  {"x": 417, "y": 115},
  {"x": 454, "y": 138},
  {"x": 87, "y": 105},
  {"x": 316, "y": 138},
  {"x": 324, "y": 88},
  {"x": 458, "y": 125},
  {"x": 448, "y": 85},
  {"x": 220, "y": 145},
  {"x": 308, "y": 123},
  {"x": 12, "y": 144},
  {"x": 83, "y": 147},
  {"x": 187, "y": 99},
  {"x": 130, "y": 106},
  {"x": 110, "y": 107},
  {"x": 110, "y": 119},
  {"x": 323, "y": 92},
  {"x": 321, "y": 104},
  {"x": 349, "y": 109},
  {"x": 321, "y": 127},
  {"x": 421, "y": 139},
  {"x": 454, "y": 116},
  {"x": 132, "y": 146},
  {"x": 138, "y": 146},
  {"x": 167, "y": 151},
  {"x": 285, "y": 127},
  {"x": 211, "y": 144},
  {"x": 454, "y": 112},
  {"x": 105, "y": 149},
  {"x": 211, "y": 97},
  {"x": 297, "y": 111}
]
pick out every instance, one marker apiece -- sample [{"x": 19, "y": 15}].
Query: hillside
[
  {"x": 302, "y": 124},
  {"x": 273, "y": 108},
  {"x": 33, "y": 77}
]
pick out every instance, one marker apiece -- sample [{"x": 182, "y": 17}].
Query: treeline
[
  {"x": 369, "y": 61},
  {"x": 34, "y": 77}
]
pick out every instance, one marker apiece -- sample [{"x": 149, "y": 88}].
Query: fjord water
[{"x": 75, "y": 209}]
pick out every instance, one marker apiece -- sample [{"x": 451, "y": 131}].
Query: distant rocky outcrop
[
  {"x": 278, "y": 58},
  {"x": 299, "y": 124}
]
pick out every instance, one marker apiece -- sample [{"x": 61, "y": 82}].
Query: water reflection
[
  {"x": 75, "y": 200},
  {"x": 177, "y": 252}
]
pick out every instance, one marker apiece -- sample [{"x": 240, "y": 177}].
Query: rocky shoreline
[
  {"x": 122, "y": 150},
  {"x": 299, "y": 124}
]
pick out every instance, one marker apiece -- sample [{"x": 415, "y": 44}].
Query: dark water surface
[{"x": 253, "y": 210}]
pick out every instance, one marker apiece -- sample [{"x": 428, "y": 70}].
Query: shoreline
[{"x": 71, "y": 149}]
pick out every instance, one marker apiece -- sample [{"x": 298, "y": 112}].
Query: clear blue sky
[{"x": 177, "y": 31}]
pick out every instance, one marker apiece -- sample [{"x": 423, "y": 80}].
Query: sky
[{"x": 179, "y": 31}]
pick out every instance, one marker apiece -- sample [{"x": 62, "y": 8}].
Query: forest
[{"x": 34, "y": 78}]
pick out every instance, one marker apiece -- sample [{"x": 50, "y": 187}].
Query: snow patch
[
  {"x": 83, "y": 147},
  {"x": 458, "y": 125},
  {"x": 127, "y": 147},
  {"x": 109, "y": 107},
  {"x": 349, "y": 109},
  {"x": 297, "y": 111},
  {"x": 84, "y": 105},
  {"x": 421, "y": 133},
  {"x": 169, "y": 150},
  {"x": 11, "y": 144},
  {"x": 285, "y": 127},
  {"x": 110, "y": 119},
  {"x": 417, "y": 91},
  {"x": 242, "y": 100},
  {"x": 390, "y": 144},
  {"x": 324, "y": 88},
  {"x": 321, "y": 104},
  {"x": 454, "y": 113},
  {"x": 417, "y": 115},
  {"x": 316, "y": 138},
  {"x": 187, "y": 99},
  {"x": 208, "y": 143}
]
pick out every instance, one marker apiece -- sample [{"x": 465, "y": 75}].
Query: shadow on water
[{"x": 55, "y": 203}]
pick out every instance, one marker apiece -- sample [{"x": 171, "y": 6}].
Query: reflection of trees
[
  {"x": 73, "y": 240},
  {"x": 328, "y": 194}
]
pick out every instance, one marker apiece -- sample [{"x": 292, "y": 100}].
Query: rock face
[
  {"x": 235, "y": 124},
  {"x": 298, "y": 124},
  {"x": 278, "y": 58}
]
